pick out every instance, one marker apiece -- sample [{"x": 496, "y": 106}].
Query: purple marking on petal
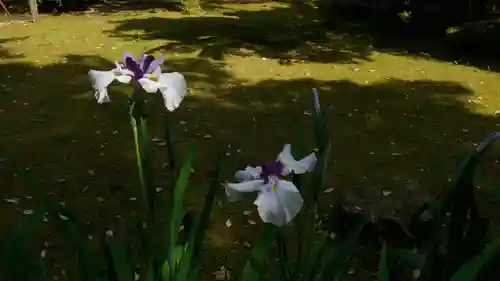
[
  {"x": 271, "y": 169},
  {"x": 127, "y": 55},
  {"x": 146, "y": 62},
  {"x": 154, "y": 64},
  {"x": 133, "y": 66}
]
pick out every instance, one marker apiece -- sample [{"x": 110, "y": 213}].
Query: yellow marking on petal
[
  {"x": 153, "y": 78},
  {"x": 275, "y": 187}
]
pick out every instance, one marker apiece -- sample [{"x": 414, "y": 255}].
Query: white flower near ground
[{"x": 278, "y": 201}]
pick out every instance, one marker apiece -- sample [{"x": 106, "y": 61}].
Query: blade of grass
[
  {"x": 309, "y": 263},
  {"x": 73, "y": 239},
  {"x": 470, "y": 270},
  {"x": 120, "y": 260},
  {"x": 334, "y": 260},
  {"x": 284, "y": 258},
  {"x": 254, "y": 266},
  {"x": 323, "y": 143},
  {"x": 383, "y": 271},
  {"x": 20, "y": 247},
  {"x": 146, "y": 165},
  {"x": 409, "y": 257},
  {"x": 177, "y": 212},
  {"x": 21, "y": 242},
  {"x": 188, "y": 263}
]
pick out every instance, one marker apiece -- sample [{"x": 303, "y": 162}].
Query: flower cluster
[{"x": 278, "y": 200}]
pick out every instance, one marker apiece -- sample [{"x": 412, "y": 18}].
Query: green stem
[
  {"x": 140, "y": 168},
  {"x": 139, "y": 128}
]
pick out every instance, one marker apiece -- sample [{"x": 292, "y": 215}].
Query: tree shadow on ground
[
  {"x": 279, "y": 33},
  {"x": 472, "y": 43},
  {"x": 293, "y": 34},
  {"x": 94, "y": 6},
  {"x": 116, "y": 6},
  {"x": 401, "y": 136}
]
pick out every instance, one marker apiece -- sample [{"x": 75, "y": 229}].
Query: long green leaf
[
  {"x": 188, "y": 263},
  {"x": 177, "y": 212},
  {"x": 409, "y": 257},
  {"x": 323, "y": 143},
  {"x": 464, "y": 173},
  {"x": 146, "y": 164},
  {"x": 310, "y": 261},
  {"x": 20, "y": 244},
  {"x": 254, "y": 267},
  {"x": 284, "y": 259},
  {"x": 120, "y": 260},
  {"x": 334, "y": 260},
  {"x": 470, "y": 270},
  {"x": 20, "y": 247},
  {"x": 383, "y": 271},
  {"x": 75, "y": 248}
]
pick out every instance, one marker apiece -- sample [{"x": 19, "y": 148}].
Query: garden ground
[{"x": 400, "y": 118}]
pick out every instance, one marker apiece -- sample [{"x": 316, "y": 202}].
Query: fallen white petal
[{"x": 12, "y": 200}]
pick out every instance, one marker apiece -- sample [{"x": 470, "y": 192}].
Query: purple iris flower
[
  {"x": 278, "y": 200},
  {"x": 147, "y": 73}
]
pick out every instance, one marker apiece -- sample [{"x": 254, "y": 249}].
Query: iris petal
[
  {"x": 269, "y": 209},
  {"x": 155, "y": 64},
  {"x": 280, "y": 203},
  {"x": 173, "y": 88},
  {"x": 291, "y": 165},
  {"x": 250, "y": 173},
  {"x": 290, "y": 199},
  {"x": 132, "y": 65},
  {"x": 234, "y": 190},
  {"x": 149, "y": 85},
  {"x": 146, "y": 63},
  {"x": 100, "y": 81}
]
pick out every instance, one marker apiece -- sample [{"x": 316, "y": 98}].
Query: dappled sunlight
[
  {"x": 5, "y": 52},
  {"x": 397, "y": 120},
  {"x": 278, "y": 32}
]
